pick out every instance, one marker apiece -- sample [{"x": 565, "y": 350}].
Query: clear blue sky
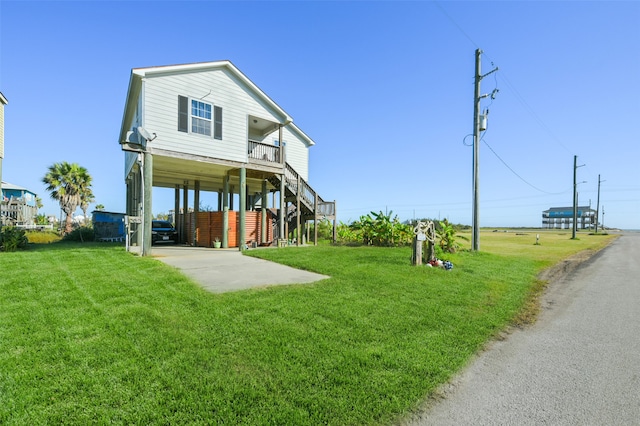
[{"x": 384, "y": 88}]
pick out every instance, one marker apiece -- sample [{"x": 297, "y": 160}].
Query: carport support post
[
  {"x": 176, "y": 208},
  {"x": 147, "y": 172},
  {"x": 315, "y": 220},
  {"x": 283, "y": 214},
  {"x": 185, "y": 211},
  {"x": 263, "y": 223},
  {"x": 225, "y": 212},
  {"x": 243, "y": 206},
  {"x": 299, "y": 231},
  {"x": 196, "y": 210}
]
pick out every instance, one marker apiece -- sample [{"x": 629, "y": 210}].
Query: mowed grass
[{"x": 92, "y": 334}]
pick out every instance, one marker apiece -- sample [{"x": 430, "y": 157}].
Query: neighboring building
[
  {"x": 3, "y": 102},
  {"x": 562, "y": 218},
  {"x": 207, "y": 127},
  {"x": 19, "y": 206},
  {"x": 108, "y": 226}
]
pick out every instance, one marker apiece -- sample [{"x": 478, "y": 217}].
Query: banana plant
[{"x": 447, "y": 237}]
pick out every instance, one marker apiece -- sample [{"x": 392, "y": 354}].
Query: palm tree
[
  {"x": 86, "y": 198},
  {"x": 68, "y": 184}
]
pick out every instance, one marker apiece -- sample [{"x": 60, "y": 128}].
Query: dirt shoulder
[{"x": 566, "y": 266}]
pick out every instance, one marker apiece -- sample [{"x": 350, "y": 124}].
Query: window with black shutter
[
  {"x": 183, "y": 114},
  {"x": 217, "y": 122},
  {"x": 194, "y": 116}
]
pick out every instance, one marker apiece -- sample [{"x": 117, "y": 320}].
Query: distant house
[
  {"x": 205, "y": 127},
  {"x": 19, "y": 206},
  {"x": 108, "y": 226},
  {"x": 562, "y": 218}
]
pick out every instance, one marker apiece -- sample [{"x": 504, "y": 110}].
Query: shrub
[
  {"x": 43, "y": 237},
  {"x": 383, "y": 230},
  {"x": 12, "y": 239},
  {"x": 81, "y": 234},
  {"x": 346, "y": 235}
]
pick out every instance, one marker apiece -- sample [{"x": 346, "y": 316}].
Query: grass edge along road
[{"x": 92, "y": 334}]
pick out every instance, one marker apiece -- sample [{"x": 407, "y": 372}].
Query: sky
[{"x": 384, "y": 88}]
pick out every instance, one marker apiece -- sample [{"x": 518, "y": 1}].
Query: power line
[
  {"x": 456, "y": 24},
  {"x": 517, "y": 94},
  {"x": 515, "y": 173},
  {"x": 530, "y": 110}
]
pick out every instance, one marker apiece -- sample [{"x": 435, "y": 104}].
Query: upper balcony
[{"x": 265, "y": 154}]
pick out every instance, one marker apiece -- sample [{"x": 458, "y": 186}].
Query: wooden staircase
[{"x": 307, "y": 204}]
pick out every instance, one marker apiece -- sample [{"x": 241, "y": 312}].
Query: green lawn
[{"x": 92, "y": 334}]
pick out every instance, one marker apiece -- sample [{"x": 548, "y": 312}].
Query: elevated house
[
  {"x": 207, "y": 127},
  {"x": 562, "y": 217},
  {"x": 18, "y": 207}
]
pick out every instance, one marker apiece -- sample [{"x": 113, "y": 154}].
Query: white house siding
[{"x": 217, "y": 87}]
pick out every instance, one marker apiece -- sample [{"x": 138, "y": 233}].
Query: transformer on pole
[{"x": 479, "y": 124}]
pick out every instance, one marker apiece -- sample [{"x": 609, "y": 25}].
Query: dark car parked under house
[{"x": 163, "y": 232}]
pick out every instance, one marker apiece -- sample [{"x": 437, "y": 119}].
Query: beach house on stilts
[{"x": 205, "y": 127}]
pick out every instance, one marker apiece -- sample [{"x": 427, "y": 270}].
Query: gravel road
[{"x": 579, "y": 364}]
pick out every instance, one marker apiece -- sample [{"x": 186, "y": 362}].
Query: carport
[{"x": 248, "y": 184}]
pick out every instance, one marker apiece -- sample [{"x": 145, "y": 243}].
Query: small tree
[
  {"x": 86, "y": 198},
  {"x": 69, "y": 184}
]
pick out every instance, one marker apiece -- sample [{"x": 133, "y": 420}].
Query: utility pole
[
  {"x": 598, "y": 205},
  {"x": 575, "y": 207},
  {"x": 475, "y": 236},
  {"x": 575, "y": 196}
]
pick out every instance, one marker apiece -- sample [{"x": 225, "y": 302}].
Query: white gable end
[{"x": 215, "y": 88}]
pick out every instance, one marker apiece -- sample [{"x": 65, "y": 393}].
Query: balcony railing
[{"x": 263, "y": 153}]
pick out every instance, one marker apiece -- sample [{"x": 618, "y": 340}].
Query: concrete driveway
[{"x": 223, "y": 270}]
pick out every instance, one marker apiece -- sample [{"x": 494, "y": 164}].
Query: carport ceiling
[{"x": 169, "y": 172}]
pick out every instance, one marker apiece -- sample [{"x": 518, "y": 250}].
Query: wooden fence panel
[{"x": 209, "y": 227}]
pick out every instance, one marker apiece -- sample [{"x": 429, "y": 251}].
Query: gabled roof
[
  {"x": 10, "y": 186},
  {"x": 137, "y": 74}
]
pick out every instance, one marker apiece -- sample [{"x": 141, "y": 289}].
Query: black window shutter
[
  {"x": 217, "y": 122},
  {"x": 183, "y": 114}
]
